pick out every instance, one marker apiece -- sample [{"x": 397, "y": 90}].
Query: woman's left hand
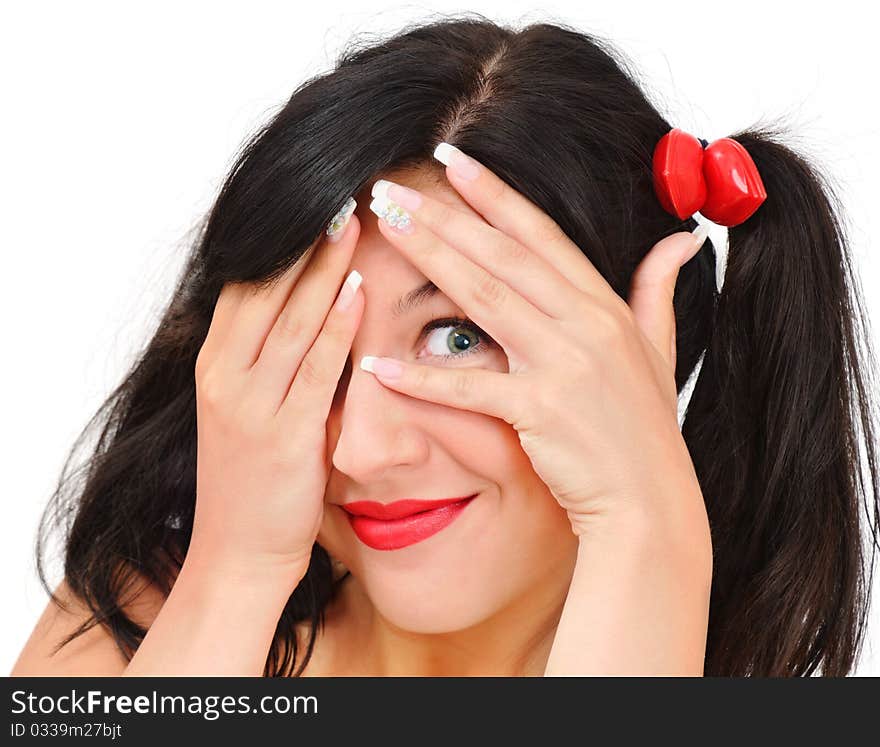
[{"x": 591, "y": 384}]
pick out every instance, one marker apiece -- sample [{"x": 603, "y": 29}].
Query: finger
[
  {"x": 503, "y": 313},
  {"x": 262, "y": 307},
  {"x": 314, "y": 385},
  {"x": 225, "y": 308},
  {"x": 492, "y": 393},
  {"x": 514, "y": 214},
  {"x": 521, "y": 268},
  {"x": 256, "y": 311},
  {"x": 301, "y": 319},
  {"x": 652, "y": 289}
]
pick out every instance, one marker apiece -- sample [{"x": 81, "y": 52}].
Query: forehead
[{"x": 374, "y": 256}]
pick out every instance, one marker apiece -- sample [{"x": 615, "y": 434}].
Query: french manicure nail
[
  {"x": 403, "y": 196},
  {"x": 699, "y": 233},
  {"x": 348, "y": 290},
  {"x": 380, "y": 188},
  {"x": 387, "y": 368},
  {"x": 392, "y": 213},
  {"x": 459, "y": 163},
  {"x": 338, "y": 222}
]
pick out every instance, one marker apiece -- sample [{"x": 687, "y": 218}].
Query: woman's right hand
[{"x": 266, "y": 376}]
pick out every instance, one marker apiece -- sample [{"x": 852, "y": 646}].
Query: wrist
[
  {"x": 220, "y": 618},
  {"x": 269, "y": 577},
  {"x": 626, "y": 575},
  {"x": 676, "y": 532}
]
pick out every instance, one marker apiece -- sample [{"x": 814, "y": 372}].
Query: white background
[{"x": 118, "y": 125}]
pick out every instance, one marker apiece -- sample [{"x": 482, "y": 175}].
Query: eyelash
[{"x": 457, "y": 321}]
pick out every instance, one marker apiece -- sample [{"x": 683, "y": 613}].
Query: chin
[
  {"x": 437, "y": 599},
  {"x": 417, "y": 613}
]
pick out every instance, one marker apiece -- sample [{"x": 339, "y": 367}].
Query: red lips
[
  {"x": 397, "y": 509},
  {"x": 400, "y": 524}
]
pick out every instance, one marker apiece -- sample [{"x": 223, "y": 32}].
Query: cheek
[
  {"x": 528, "y": 519},
  {"x": 534, "y": 529},
  {"x": 331, "y": 535},
  {"x": 490, "y": 448}
]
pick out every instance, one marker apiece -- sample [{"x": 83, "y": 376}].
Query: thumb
[{"x": 652, "y": 288}]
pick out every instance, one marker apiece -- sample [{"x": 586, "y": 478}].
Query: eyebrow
[{"x": 412, "y": 299}]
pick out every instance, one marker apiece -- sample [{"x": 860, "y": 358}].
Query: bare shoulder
[{"x": 93, "y": 653}]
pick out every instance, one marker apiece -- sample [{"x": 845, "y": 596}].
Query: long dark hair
[{"x": 779, "y": 422}]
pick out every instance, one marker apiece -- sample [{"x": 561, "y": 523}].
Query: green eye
[{"x": 464, "y": 337}]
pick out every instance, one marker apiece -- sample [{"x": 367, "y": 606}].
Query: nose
[{"x": 372, "y": 429}]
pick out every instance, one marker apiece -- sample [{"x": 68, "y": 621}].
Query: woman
[{"x": 238, "y": 512}]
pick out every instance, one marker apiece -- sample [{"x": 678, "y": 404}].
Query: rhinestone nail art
[
  {"x": 340, "y": 220},
  {"x": 392, "y": 214}
]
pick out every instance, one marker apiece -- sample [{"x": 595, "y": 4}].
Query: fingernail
[
  {"x": 336, "y": 227},
  {"x": 459, "y": 163},
  {"x": 403, "y": 196},
  {"x": 393, "y": 214},
  {"x": 699, "y": 233},
  {"x": 348, "y": 290},
  {"x": 387, "y": 368}
]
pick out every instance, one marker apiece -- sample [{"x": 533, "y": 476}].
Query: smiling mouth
[
  {"x": 414, "y": 526},
  {"x": 399, "y": 509}
]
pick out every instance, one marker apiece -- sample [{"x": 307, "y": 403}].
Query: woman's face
[{"x": 513, "y": 541}]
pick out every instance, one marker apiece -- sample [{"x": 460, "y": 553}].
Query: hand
[
  {"x": 265, "y": 380},
  {"x": 591, "y": 387}
]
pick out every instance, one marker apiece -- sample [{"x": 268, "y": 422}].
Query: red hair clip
[{"x": 718, "y": 179}]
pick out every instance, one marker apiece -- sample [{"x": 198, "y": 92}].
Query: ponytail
[{"x": 773, "y": 428}]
